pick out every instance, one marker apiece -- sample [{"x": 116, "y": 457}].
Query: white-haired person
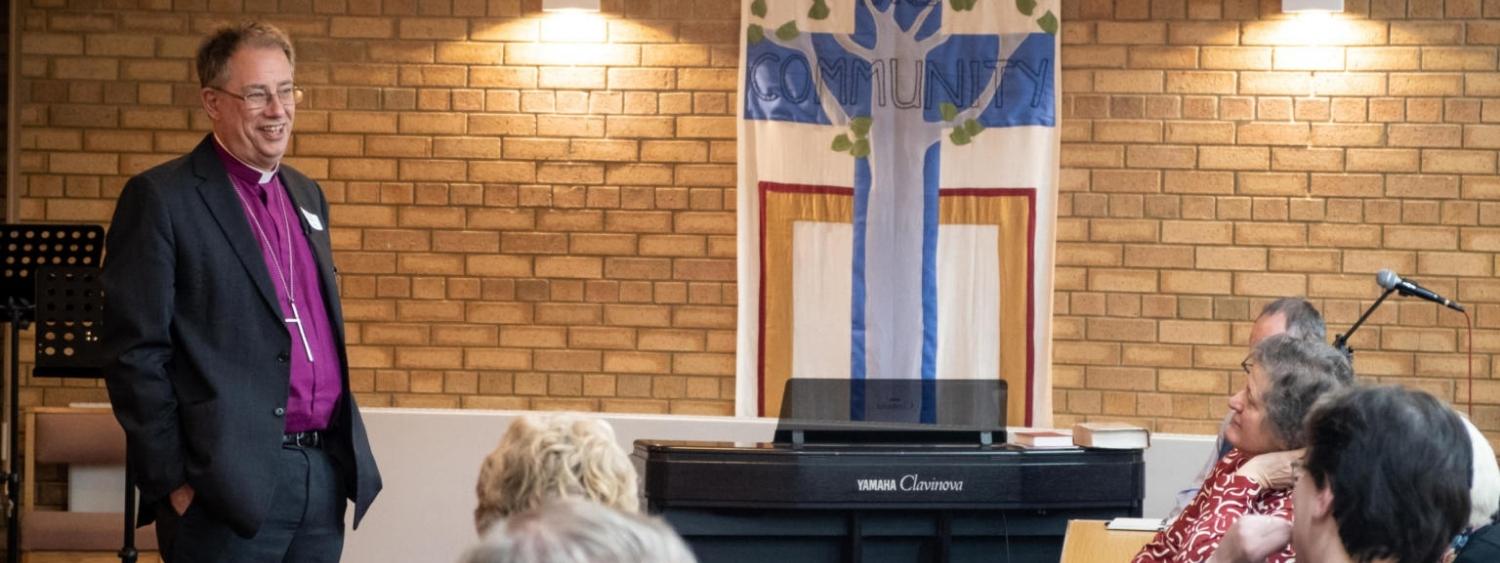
[
  {"x": 544, "y": 457},
  {"x": 579, "y": 531}
]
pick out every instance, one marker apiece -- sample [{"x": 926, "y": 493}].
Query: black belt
[{"x": 308, "y": 439}]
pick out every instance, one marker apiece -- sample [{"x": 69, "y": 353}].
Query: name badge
[{"x": 312, "y": 219}]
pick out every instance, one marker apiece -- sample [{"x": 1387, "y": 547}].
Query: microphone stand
[{"x": 1342, "y": 341}]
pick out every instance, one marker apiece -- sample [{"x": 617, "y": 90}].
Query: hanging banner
[{"x": 898, "y": 166}]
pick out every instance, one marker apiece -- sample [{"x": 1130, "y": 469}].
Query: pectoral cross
[{"x": 297, "y": 319}]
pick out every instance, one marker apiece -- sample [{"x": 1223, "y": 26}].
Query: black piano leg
[
  {"x": 856, "y": 541},
  {"x": 945, "y": 536}
]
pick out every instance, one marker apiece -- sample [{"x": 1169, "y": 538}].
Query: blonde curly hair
[{"x": 554, "y": 456}]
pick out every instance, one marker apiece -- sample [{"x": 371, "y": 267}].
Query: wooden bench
[{"x": 73, "y": 436}]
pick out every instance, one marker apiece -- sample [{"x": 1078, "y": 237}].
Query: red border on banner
[{"x": 1028, "y": 193}]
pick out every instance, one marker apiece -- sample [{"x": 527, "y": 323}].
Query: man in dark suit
[{"x": 224, "y": 332}]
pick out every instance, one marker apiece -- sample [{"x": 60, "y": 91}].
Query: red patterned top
[{"x": 1221, "y": 501}]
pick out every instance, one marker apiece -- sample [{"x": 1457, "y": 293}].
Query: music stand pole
[{"x": 18, "y": 309}]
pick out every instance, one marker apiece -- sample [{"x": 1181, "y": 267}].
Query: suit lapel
[
  {"x": 218, "y": 194},
  {"x": 305, "y": 203}
]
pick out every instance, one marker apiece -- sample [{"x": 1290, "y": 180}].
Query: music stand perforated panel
[
  {"x": 69, "y": 312},
  {"x": 28, "y": 247}
]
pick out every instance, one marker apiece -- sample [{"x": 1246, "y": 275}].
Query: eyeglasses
[
  {"x": 1245, "y": 365},
  {"x": 259, "y": 99}
]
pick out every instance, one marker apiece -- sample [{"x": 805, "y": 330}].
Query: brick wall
[
  {"x": 1217, "y": 155},
  {"x": 527, "y": 224},
  {"x": 528, "y": 212}
]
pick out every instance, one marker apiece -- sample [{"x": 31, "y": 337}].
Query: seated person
[
  {"x": 1386, "y": 478},
  {"x": 560, "y": 455},
  {"x": 579, "y": 531},
  {"x": 1480, "y": 542},
  {"x": 1284, "y": 377},
  {"x": 1293, "y": 316}
]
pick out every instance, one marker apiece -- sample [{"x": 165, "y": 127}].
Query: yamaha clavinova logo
[{"x": 909, "y": 483}]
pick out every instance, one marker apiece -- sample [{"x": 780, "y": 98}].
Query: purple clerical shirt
[{"x": 316, "y": 384}]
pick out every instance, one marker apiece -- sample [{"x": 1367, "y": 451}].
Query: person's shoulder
[{"x": 169, "y": 177}]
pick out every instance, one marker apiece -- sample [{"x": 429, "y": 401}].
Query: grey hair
[
  {"x": 1484, "y": 490},
  {"x": 215, "y": 51},
  {"x": 1302, "y": 319},
  {"x": 1299, "y": 372},
  {"x": 554, "y": 456},
  {"x": 579, "y": 531}
]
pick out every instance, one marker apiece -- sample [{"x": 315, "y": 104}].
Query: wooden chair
[{"x": 74, "y": 436}]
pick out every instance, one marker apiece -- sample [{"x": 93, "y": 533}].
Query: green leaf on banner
[
  {"x": 1025, "y": 6},
  {"x": 758, "y": 7},
  {"x": 959, "y": 137},
  {"x": 842, "y": 143},
  {"x": 948, "y": 110},
  {"x": 972, "y": 128},
  {"x": 788, "y": 31},
  {"x": 861, "y": 149},
  {"x": 970, "y": 4},
  {"x": 861, "y": 126},
  {"x": 818, "y": 11},
  {"x": 1048, "y": 23},
  {"x": 958, "y": 5},
  {"x": 755, "y": 34}
]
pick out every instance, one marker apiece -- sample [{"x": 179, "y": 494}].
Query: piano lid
[{"x": 908, "y": 411}]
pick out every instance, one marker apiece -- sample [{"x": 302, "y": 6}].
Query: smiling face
[
  {"x": 1248, "y": 429},
  {"x": 258, "y": 137}
]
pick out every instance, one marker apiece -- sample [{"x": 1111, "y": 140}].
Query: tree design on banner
[{"x": 906, "y": 150}]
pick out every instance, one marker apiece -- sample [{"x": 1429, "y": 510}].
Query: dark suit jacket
[{"x": 197, "y": 349}]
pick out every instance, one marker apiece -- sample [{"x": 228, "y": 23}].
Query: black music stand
[
  {"x": 25, "y": 248},
  {"x": 69, "y": 313}
]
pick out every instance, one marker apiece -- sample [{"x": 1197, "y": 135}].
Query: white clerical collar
[{"x": 265, "y": 175}]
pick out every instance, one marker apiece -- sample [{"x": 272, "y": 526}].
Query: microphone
[{"x": 1389, "y": 280}]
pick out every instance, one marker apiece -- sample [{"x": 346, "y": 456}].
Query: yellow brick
[
  {"x": 1131, "y": 33},
  {"x": 1234, "y": 158},
  {"x": 1311, "y": 160},
  {"x": 1341, "y": 135},
  {"x": 1344, "y": 236},
  {"x": 1309, "y": 58},
  {"x": 1093, "y": 156},
  {"x": 1275, "y": 83},
  {"x": 1193, "y": 182},
  {"x": 1426, "y": 84},
  {"x": 1269, "y": 285},
  {"x": 1123, "y": 230},
  {"x": 1200, "y": 132},
  {"x": 1426, "y": 33},
  {"x": 1437, "y": 161},
  {"x": 504, "y": 77},
  {"x": 1122, "y": 280},
  {"x": 1384, "y": 58},
  {"x": 1129, "y": 81},
  {"x": 1274, "y": 134},
  {"x": 1458, "y": 58},
  {"x": 1128, "y": 131},
  {"x": 1421, "y": 238},
  {"x": 1455, "y": 264}
]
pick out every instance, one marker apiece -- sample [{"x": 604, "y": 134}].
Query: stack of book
[{"x": 1098, "y": 435}]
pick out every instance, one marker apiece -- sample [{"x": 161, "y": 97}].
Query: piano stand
[{"x": 887, "y": 503}]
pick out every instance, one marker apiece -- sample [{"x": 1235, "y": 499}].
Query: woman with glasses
[{"x": 1284, "y": 376}]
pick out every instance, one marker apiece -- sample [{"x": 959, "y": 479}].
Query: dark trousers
[{"x": 305, "y": 524}]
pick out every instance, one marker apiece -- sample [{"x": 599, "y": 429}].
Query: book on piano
[
  {"x": 1042, "y": 438},
  {"x": 1111, "y": 436}
]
